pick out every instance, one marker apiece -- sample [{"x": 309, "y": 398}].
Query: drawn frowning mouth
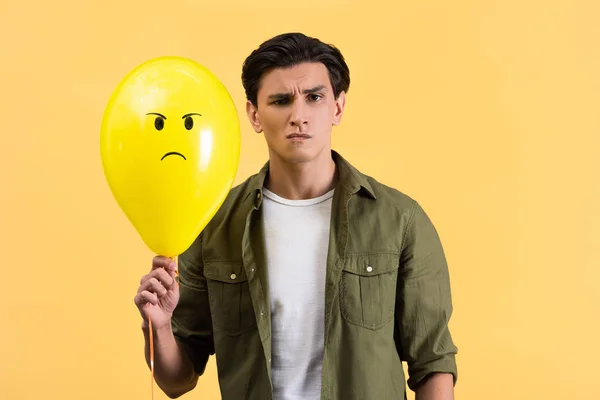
[{"x": 173, "y": 153}]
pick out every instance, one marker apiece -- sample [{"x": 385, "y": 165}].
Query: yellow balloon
[{"x": 170, "y": 148}]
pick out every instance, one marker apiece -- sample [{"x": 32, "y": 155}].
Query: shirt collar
[{"x": 350, "y": 179}]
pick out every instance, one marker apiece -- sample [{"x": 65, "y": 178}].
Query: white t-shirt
[{"x": 297, "y": 241}]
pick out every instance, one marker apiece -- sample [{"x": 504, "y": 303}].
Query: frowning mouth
[
  {"x": 173, "y": 153},
  {"x": 298, "y": 136}
]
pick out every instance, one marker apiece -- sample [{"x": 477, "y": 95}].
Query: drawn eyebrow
[
  {"x": 190, "y": 114},
  {"x": 160, "y": 115}
]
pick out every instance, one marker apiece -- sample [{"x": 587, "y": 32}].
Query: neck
[{"x": 300, "y": 181}]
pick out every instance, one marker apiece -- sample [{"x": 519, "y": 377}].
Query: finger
[
  {"x": 175, "y": 276},
  {"x": 165, "y": 278},
  {"x": 171, "y": 268},
  {"x": 145, "y": 297},
  {"x": 160, "y": 262},
  {"x": 145, "y": 278},
  {"x": 173, "y": 272},
  {"x": 153, "y": 285}
]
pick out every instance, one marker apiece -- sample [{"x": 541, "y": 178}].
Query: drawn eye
[
  {"x": 188, "y": 123},
  {"x": 159, "y": 123}
]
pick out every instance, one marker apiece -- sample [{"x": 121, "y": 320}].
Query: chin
[{"x": 296, "y": 155}]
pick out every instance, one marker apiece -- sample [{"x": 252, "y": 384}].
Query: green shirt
[{"x": 387, "y": 294}]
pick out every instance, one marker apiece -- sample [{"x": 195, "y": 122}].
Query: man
[{"x": 313, "y": 281}]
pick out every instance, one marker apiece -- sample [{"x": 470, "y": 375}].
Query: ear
[
  {"x": 252, "y": 113},
  {"x": 340, "y": 103}
]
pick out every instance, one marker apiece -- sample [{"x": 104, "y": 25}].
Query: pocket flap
[
  {"x": 371, "y": 264},
  {"x": 225, "y": 271}
]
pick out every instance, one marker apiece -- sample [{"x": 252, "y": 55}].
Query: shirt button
[
  {"x": 369, "y": 268},
  {"x": 233, "y": 276}
]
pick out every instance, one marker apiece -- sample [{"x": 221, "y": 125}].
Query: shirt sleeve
[
  {"x": 424, "y": 303},
  {"x": 191, "y": 321}
]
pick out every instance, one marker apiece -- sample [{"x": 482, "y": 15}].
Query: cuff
[{"x": 418, "y": 373}]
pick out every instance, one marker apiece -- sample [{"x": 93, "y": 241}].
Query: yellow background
[{"x": 487, "y": 112}]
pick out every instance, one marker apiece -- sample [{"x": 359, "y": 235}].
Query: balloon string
[
  {"x": 151, "y": 357},
  {"x": 152, "y": 335}
]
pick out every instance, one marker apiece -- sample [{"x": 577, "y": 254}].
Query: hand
[{"x": 158, "y": 293}]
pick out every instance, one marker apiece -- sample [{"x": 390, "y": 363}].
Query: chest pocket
[
  {"x": 229, "y": 297},
  {"x": 368, "y": 289}
]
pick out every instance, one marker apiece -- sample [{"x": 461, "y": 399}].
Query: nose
[{"x": 299, "y": 117}]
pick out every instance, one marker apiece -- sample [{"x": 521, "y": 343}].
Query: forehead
[{"x": 302, "y": 76}]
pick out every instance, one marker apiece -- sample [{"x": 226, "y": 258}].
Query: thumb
[{"x": 172, "y": 270}]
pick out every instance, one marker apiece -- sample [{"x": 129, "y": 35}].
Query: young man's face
[{"x": 296, "y": 111}]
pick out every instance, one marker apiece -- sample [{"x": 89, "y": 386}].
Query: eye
[
  {"x": 280, "y": 102},
  {"x": 188, "y": 123},
  {"x": 315, "y": 97},
  {"x": 159, "y": 123}
]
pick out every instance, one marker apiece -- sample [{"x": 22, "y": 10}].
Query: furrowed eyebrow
[
  {"x": 314, "y": 89},
  {"x": 282, "y": 95},
  {"x": 277, "y": 96},
  {"x": 160, "y": 115},
  {"x": 190, "y": 114}
]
